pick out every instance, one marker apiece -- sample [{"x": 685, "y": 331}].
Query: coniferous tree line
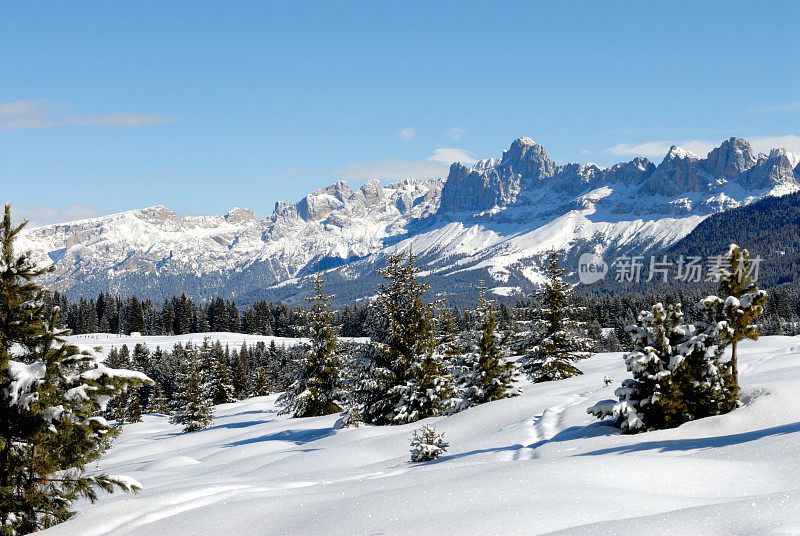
[
  {"x": 605, "y": 314},
  {"x": 188, "y": 380}
]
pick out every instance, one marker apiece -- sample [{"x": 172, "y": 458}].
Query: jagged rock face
[
  {"x": 491, "y": 183},
  {"x": 320, "y": 203},
  {"x": 770, "y": 171},
  {"x": 528, "y": 159},
  {"x": 730, "y": 160},
  {"x": 634, "y": 172},
  {"x": 680, "y": 171},
  {"x": 476, "y": 190},
  {"x": 495, "y": 216}
]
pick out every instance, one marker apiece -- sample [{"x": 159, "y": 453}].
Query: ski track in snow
[{"x": 533, "y": 464}]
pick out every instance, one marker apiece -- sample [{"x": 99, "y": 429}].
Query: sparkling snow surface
[{"x": 536, "y": 464}]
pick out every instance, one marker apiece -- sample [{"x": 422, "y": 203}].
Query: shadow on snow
[
  {"x": 672, "y": 445},
  {"x": 298, "y": 437}
]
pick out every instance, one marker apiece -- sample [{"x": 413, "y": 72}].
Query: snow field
[{"x": 535, "y": 464}]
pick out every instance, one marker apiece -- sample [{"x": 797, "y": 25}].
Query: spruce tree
[
  {"x": 192, "y": 406},
  {"x": 652, "y": 399},
  {"x": 260, "y": 382},
  {"x": 738, "y": 308},
  {"x": 50, "y": 397},
  {"x": 555, "y": 339},
  {"x": 427, "y": 444},
  {"x": 317, "y": 382},
  {"x": 400, "y": 377},
  {"x": 136, "y": 317},
  {"x": 160, "y": 403},
  {"x": 678, "y": 374},
  {"x": 216, "y": 374},
  {"x": 239, "y": 373},
  {"x": 484, "y": 374}
]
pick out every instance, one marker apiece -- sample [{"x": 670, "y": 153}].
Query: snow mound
[{"x": 171, "y": 463}]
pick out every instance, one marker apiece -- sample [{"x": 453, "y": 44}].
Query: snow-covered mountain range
[{"x": 493, "y": 220}]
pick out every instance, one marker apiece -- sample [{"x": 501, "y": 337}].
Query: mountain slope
[
  {"x": 535, "y": 464},
  {"x": 769, "y": 228},
  {"x": 494, "y": 220}
]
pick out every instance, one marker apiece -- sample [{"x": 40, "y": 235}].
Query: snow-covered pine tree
[
  {"x": 317, "y": 382},
  {"x": 260, "y": 382},
  {"x": 192, "y": 406},
  {"x": 216, "y": 373},
  {"x": 653, "y": 398},
  {"x": 733, "y": 315},
  {"x": 159, "y": 403},
  {"x": 556, "y": 339},
  {"x": 125, "y": 407},
  {"x": 239, "y": 372},
  {"x": 400, "y": 377},
  {"x": 51, "y": 395},
  {"x": 483, "y": 373},
  {"x": 678, "y": 373},
  {"x": 448, "y": 339},
  {"x": 427, "y": 444}
]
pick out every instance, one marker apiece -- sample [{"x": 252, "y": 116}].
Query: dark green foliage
[
  {"x": 51, "y": 395},
  {"x": 317, "y": 388},
  {"x": 216, "y": 373},
  {"x": 554, "y": 339},
  {"x": 484, "y": 374},
  {"x": 192, "y": 406},
  {"x": 400, "y": 377}
]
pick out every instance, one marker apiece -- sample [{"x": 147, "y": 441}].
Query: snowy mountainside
[
  {"x": 535, "y": 464},
  {"x": 493, "y": 220}
]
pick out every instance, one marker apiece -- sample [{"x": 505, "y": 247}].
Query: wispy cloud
[
  {"x": 779, "y": 108},
  {"x": 764, "y": 144},
  {"x": 41, "y": 114},
  {"x": 657, "y": 149},
  {"x": 407, "y": 133},
  {"x": 436, "y": 165},
  {"x": 456, "y": 133},
  {"x": 44, "y": 215}
]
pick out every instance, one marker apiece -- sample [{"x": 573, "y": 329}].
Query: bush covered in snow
[{"x": 427, "y": 445}]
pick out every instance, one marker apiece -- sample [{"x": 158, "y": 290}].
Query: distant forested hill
[{"x": 769, "y": 228}]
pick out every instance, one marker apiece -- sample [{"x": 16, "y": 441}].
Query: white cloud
[
  {"x": 407, "y": 133},
  {"x": 764, "y": 144},
  {"x": 44, "y": 215},
  {"x": 39, "y": 114},
  {"x": 657, "y": 149},
  {"x": 456, "y": 133},
  {"x": 436, "y": 165},
  {"x": 778, "y": 108}
]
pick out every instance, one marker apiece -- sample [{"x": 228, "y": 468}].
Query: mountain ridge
[{"x": 491, "y": 220}]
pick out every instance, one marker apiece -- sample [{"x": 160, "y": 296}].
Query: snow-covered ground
[
  {"x": 107, "y": 341},
  {"x": 536, "y": 464}
]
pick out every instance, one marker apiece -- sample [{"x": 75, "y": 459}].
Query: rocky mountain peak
[
  {"x": 731, "y": 159},
  {"x": 528, "y": 159},
  {"x": 241, "y": 215},
  {"x": 679, "y": 153}
]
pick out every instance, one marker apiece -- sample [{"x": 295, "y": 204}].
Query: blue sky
[{"x": 203, "y": 106}]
